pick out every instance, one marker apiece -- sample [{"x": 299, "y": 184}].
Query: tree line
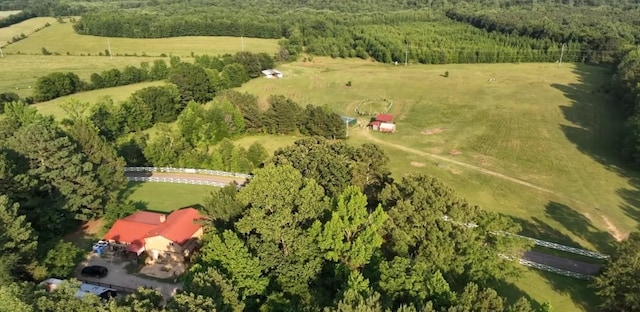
[
  {"x": 215, "y": 73},
  {"x": 59, "y": 84}
]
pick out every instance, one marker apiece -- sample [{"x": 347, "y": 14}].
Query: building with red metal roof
[{"x": 174, "y": 235}]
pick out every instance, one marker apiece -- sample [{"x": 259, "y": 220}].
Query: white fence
[
  {"x": 573, "y": 250},
  {"x": 188, "y": 170},
  {"x": 551, "y": 269},
  {"x": 182, "y": 181}
]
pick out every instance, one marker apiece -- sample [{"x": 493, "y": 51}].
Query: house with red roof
[{"x": 169, "y": 236}]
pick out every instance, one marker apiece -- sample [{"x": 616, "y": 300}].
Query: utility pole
[
  {"x": 346, "y": 122},
  {"x": 561, "y": 54},
  {"x": 109, "y": 44},
  {"x": 406, "y": 54}
]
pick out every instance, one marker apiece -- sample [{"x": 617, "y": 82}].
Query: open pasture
[
  {"x": 62, "y": 39},
  {"x": 27, "y": 27},
  {"x": 117, "y": 94},
  {"x": 532, "y": 141},
  {"x": 19, "y": 72},
  {"x": 4, "y": 14}
]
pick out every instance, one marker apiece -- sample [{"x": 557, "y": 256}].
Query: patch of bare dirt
[
  {"x": 455, "y": 152},
  {"x": 432, "y": 131},
  {"x": 417, "y": 164},
  {"x": 613, "y": 230},
  {"x": 83, "y": 235}
]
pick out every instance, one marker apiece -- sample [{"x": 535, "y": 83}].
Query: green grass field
[
  {"x": 61, "y": 38},
  {"x": 536, "y": 123},
  {"x": 4, "y": 14},
  {"x": 27, "y": 28},
  {"x": 117, "y": 94},
  {"x": 22, "y": 71},
  {"x": 167, "y": 197},
  {"x": 538, "y": 144}
]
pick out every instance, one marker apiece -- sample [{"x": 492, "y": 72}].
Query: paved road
[
  {"x": 192, "y": 176},
  {"x": 562, "y": 263}
]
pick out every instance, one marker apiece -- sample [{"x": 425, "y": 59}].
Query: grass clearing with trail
[
  {"x": 22, "y": 71},
  {"x": 535, "y": 142},
  {"x": 536, "y": 123},
  {"x": 27, "y": 28},
  {"x": 62, "y": 39},
  {"x": 117, "y": 94}
]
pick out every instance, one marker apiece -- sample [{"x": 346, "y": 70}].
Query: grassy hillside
[
  {"x": 61, "y": 38},
  {"x": 22, "y": 71},
  {"x": 117, "y": 94},
  {"x": 26, "y": 27},
  {"x": 537, "y": 124}
]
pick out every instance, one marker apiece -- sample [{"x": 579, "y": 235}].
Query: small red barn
[
  {"x": 384, "y": 118},
  {"x": 383, "y": 123}
]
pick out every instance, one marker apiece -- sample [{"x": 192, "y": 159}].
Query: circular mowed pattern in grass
[{"x": 373, "y": 107}]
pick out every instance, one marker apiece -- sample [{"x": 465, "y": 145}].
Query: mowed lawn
[
  {"x": 25, "y": 27},
  {"x": 167, "y": 197},
  {"x": 20, "y": 72},
  {"x": 117, "y": 94},
  {"x": 61, "y": 38}
]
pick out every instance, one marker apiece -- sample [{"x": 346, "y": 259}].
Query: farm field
[
  {"x": 537, "y": 124},
  {"x": 62, "y": 39},
  {"x": 25, "y": 27},
  {"x": 22, "y": 71},
  {"x": 117, "y": 94},
  {"x": 4, "y": 14}
]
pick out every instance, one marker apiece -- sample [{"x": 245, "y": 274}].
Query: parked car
[{"x": 95, "y": 271}]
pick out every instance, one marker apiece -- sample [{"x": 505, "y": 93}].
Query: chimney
[{"x": 163, "y": 218}]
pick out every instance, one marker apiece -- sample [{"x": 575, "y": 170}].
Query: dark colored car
[{"x": 95, "y": 271}]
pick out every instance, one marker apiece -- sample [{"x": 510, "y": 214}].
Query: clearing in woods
[{"x": 62, "y": 39}]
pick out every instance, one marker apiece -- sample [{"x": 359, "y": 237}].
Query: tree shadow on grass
[
  {"x": 597, "y": 129},
  {"x": 131, "y": 187},
  {"x": 536, "y": 228},
  {"x": 579, "y": 225},
  {"x": 580, "y": 291},
  {"x": 631, "y": 197},
  {"x": 512, "y": 293}
]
